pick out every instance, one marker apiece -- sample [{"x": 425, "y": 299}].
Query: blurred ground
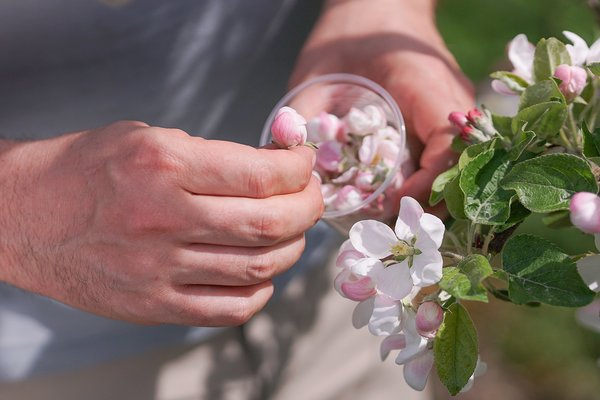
[{"x": 532, "y": 353}]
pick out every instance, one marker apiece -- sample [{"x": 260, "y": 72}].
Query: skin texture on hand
[
  {"x": 396, "y": 44},
  {"x": 150, "y": 225}
]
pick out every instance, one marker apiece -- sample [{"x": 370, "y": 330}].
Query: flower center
[{"x": 403, "y": 250}]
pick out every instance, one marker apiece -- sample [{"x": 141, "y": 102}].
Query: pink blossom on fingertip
[{"x": 289, "y": 128}]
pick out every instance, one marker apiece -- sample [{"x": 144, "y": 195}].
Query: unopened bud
[
  {"x": 289, "y": 128},
  {"x": 429, "y": 318},
  {"x": 585, "y": 212}
]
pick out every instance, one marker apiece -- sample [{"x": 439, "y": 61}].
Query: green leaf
[
  {"x": 518, "y": 213},
  {"x": 464, "y": 281},
  {"x": 595, "y": 68},
  {"x": 513, "y": 81},
  {"x": 591, "y": 142},
  {"x": 539, "y": 271},
  {"x": 541, "y": 92},
  {"x": 502, "y": 124},
  {"x": 437, "y": 188},
  {"x": 473, "y": 151},
  {"x": 486, "y": 202},
  {"x": 545, "y": 119},
  {"x": 549, "y": 54},
  {"x": 523, "y": 140},
  {"x": 455, "y": 349},
  {"x": 546, "y": 183},
  {"x": 455, "y": 199}
]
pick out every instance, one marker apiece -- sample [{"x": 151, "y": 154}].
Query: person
[{"x": 116, "y": 240}]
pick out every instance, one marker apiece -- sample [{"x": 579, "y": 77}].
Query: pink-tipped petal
[
  {"x": 329, "y": 155},
  {"x": 358, "y": 288},
  {"x": 348, "y": 197},
  {"x": 347, "y": 258},
  {"x": 520, "y": 54},
  {"x": 417, "y": 371},
  {"x": 573, "y": 80}
]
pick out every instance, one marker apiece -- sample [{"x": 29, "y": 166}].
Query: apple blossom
[
  {"x": 520, "y": 54},
  {"x": 579, "y": 51},
  {"x": 585, "y": 212},
  {"x": 366, "y": 120},
  {"x": 573, "y": 80},
  {"x": 323, "y": 127},
  {"x": 365, "y": 180},
  {"x": 414, "y": 242},
  {"x": 289, "y": 128},
  {"x": 346, "y": 176}
]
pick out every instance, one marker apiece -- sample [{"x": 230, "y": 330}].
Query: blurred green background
[{"x": 532, "y": 353}]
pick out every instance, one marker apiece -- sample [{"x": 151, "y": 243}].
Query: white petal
[
  {"x": 589, "y": 269},
  {"x": 362, "y": 313},
  {"x": 408, "y": 218},
  {"x": 417, "y": 371},
  {"x": 394, "y": 281},
  {"x": 427, "y": 268},
  {"x": 520, "y": 54},
  {"x": 386, "y": 318},
  {"x": 433, "y": 227},
  {"x": 593, "y": 55},
  {"x": 368, "y": 149},
  {"x": 347, "y": 245},
  {"x": 373, "y": 238},
  {"x": 578, "y": 50},
  {"x": 367, "y": 267},
  {"x": 415, "y": 343},
  {"x": 392, "y": 342}
]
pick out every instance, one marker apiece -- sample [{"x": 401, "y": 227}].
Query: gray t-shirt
[{"x": 214, "y": 68}]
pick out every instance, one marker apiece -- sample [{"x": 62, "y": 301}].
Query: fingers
[
  {"x": 230, "y": 169},
  {"x": 201, "y": 305},
  {"x": 235, "y": 266},
  {"x": 245, "y": 222}
]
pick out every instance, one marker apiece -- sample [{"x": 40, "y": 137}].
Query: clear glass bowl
[{"x": 337, "y": 94}]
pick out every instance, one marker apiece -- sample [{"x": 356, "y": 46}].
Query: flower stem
[{"x": 453, "y": 256}]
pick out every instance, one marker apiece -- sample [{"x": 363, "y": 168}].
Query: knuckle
[
  {"x": 261, "y": 179},
  {"x": 260, "y": 268},
  {"x": 268, "y": 227}
]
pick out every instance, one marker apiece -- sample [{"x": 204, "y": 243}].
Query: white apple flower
[
  {"x": 366, "y": 120},
  {"x": 520, "y": 54},
  {"x": 413, "y": 244},
  {"x": 579, "y": 51}
]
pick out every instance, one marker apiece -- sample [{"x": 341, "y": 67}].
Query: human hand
[
  {"x": 151, "y": 225},
  {"x": 396, "y": 44}
]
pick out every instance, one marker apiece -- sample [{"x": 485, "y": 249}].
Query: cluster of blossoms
[
  {"x": 384, "y": 270},
  {"x": 474, "y": 126},
  {"x": 573, "y": 76},
  {"x": 355, "y": 153}
]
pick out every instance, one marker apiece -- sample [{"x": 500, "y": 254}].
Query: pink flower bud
[
  {"x": 367, "y": 120},
  {"x": 289, "y": 128},
  {"x": 585, "y": 212},
  {"x": 474, "y": 116},
  {"x": 429, "y": 318},
  {"x": 348, "y": 197},
  {"x": 329, "y": 156},
  {"x": 573, "y": 80},
  {"x": 458, "y": 119},
  {"x": 323, "y": 127}
]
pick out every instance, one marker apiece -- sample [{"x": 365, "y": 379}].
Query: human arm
[{"x": 150, "y": 225}]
